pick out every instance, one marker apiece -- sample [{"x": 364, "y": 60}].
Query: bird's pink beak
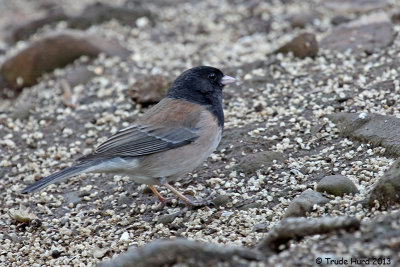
[{"x": 227, "y": 80}]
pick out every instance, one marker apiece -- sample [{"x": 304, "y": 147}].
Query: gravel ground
[{"x": 280, "y": 104}]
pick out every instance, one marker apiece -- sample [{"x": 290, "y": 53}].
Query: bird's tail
[{"x": 56, "y": 177}]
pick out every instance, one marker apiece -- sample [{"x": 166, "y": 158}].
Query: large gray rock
[
  {"x": 363, "y": 35},
  {"x": 304, "y": 203},
  {"x": 375, "y": 129},
  {"x": 336, "y": 185},
  {"x": 170, "y": 252},
  {"x": 387, "y": 190}
]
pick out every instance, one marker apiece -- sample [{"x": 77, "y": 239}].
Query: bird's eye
[{"x": 212, "y": 76}]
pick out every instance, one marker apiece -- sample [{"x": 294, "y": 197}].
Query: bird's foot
[
  {"x": 164, "y": 202},
  {"x": 191, "y": 203},
  {"x": 199, "y": 202}
]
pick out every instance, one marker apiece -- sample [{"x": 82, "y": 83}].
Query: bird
[{"x": 168, "y": 141}]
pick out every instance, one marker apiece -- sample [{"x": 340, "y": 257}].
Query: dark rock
[
  {"x": 387, "y": 190},
  {"x": 253, "y": 162},
  {"x": 355, "y": 6},
  {"x": 304, "y": 45},
  {"x": 336, "y": 185},
  {"x": 99, "y": 12},
  {"x": 259, "y": 108},
  {"x": 340, "y": 19},
  {"x": 375, "y": 129},
  {"x": 301, "y": 19},
  {"x": 23, "y": 31},
  {"x": 304, "y": 203},
  {"x": 56, "y": 253},
  {"x": 55, "y": 51},
  {"x": 149, "y": 89},
  {"x": 364, "y": 35},
  {"x": 396, "y": 17}
]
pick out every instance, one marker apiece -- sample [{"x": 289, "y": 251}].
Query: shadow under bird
[{"x": 169, "y": 140}]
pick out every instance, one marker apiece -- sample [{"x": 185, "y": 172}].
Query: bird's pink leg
[
  {"x": 188, "y": 202},
  {"x": 164, "y": 201}
]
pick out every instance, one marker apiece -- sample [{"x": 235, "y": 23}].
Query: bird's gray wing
[{"x": 140, "y": 140}]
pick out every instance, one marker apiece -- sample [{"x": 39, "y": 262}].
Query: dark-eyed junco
[{"x": 169, "y": 140}]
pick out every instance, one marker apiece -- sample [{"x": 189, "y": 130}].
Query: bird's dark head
[{"x": 201, "y": 85}]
